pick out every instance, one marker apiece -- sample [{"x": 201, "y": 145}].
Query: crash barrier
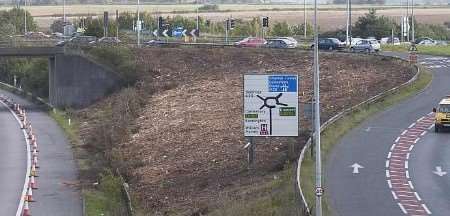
[
  {"x": 31, "y": 174},
  {"x": 303, "y": 203}
]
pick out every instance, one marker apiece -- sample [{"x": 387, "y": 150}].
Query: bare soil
[{"x": 187, "y": 146}]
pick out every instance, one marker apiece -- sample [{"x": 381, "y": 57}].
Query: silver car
[{"x": 367, "y": 46}]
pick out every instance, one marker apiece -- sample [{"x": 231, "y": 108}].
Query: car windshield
[
  {"x": 335, "y": 40},
  {"x": 373, "y": 41},
  {"x": 444, "y": 108}
]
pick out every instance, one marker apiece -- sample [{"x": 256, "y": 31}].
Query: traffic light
[
  {"x": 265, "y": 21},
  {"x": 160, "y": 23},
  {"x": 232, "y": 24}
]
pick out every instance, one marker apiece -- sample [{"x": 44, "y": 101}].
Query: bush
[{"x": 209, "y": 7}]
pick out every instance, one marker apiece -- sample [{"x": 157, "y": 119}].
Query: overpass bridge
[{"x": 75, "y": 80}]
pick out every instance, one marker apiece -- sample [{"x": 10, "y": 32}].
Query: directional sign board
[{"x": 271, "y": 105}]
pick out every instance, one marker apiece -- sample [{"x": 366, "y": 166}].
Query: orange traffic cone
[
  {"x": 35, "y": 161},
  {"x": 29, "y": 196},
  {"x": 26, "y": 209},
  {"x": 33, "y": 183},
  {"x": 33, "y": 171}
]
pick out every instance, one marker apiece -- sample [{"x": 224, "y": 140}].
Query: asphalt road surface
[
  {"x": 13, "y": 161},
  {"x": 59, "y": 192},
  {"x": 396, "y": 158}
]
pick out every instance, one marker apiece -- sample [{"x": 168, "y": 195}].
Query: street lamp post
[
  {"x": 304, "y": 18},
  {"x": 138, "y": 25},
  {"x": 25, "y": 13},
  {"x": 319, "y": 189},
  {"x": 413, "y": 22}
]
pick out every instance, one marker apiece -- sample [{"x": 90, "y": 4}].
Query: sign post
[{"x": 270, "y": 107}]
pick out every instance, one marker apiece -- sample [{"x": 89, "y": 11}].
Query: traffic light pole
[
  {"x": 138, "y": 26},
  {"x": 227, "y": 26}
]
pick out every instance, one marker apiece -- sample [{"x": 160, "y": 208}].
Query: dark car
[
  {"x": 330, "y": 44},
  {"x": 276, "y": 43},
  {"x": 106, "y": 41},
  {"x": 78, "y": 41},
  {"x": 419, "y": 40},
  {"x": 155, "y": 43}
]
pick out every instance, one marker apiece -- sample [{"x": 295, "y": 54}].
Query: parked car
[
  {"x": 422, "y": 39},
  {"x": 330, "y": 44},
  {"x": 106, "y": 41},
  {"x": 393, "y": 41},
  {"x": 278, "y": 43},
  {"x": 428, "y": 42},
  {"x": 36, "y": 35},
  {"x": 155, "y": 42},
  {"x": 366, "y": 45},
  {"x": 354, "y": 41},
  {"x": 78, "y": 41},
  {"x": 251, "y": 42},
  {"x": 290, "y": 41}
]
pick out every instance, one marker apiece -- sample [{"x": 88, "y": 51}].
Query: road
[
  {"x": 398, "y": 152},
  {"x": 13, "y": 161},
  {"x": 59, "y": 192}
]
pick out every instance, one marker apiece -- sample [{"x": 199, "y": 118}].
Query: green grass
[
  {"x": 440, "y": 50},
  {"x": 275, "y": 197},
  {"x": 336, "y": 131}
]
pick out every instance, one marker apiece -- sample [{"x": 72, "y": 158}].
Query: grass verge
[
  {"x": 104, "y": 197},
  {"x": 275, "y": 197},
  {"x": 336, "y": 131},
  {"x": 440, "y": 50}
]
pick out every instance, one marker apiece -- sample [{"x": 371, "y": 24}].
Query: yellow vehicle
[{"x": 442, "y": 117}]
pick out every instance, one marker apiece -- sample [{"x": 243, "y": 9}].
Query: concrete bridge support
[{"x": 75, "y": 81}]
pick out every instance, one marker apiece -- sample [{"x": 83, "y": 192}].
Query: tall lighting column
[
  {"x": 319, "y": 189},
  {"x": 138, "y": 25},
  {"x": 413, "y": 22}
]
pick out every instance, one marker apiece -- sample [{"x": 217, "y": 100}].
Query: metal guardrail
[{"x": 339, "y": 116}]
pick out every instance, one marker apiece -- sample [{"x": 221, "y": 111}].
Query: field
[{"x": 330, "y": 16}]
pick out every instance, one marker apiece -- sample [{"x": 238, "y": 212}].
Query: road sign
[
  {"x": 184, "y": 33},
  {"x": 271, "y": 105},
  {"x": 165, "y": 33},
  {"x": 319, "y": 191}
]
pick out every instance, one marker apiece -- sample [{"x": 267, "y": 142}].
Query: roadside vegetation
[
  {"x": 438, "y": 50},
  {"x": 335, "y": 132}
]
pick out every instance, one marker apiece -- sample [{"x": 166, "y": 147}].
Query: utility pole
[
  {"x": 64, "y": 12},
  {"x": 117, "y": 24},
  {"x": 197, "y": 22},
  {"x": 407, "y": 20},
  {"x": 25, "y": 21},
  {"x": 138, "y": 26},
  {"x": 319, "y": 190},
  {"x": 413, "y": 22},
  {"x": 348, "y": 25},
  {"x": 304, "y": 17},
  {"x": 350, "y": 34}
]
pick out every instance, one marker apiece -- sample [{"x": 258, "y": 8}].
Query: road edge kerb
[
  {"x": 340, "y": 115},
  {"x": 27, "y": 173}
]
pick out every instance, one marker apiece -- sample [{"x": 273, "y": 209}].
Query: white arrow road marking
[
  {"x": 356, "y": 168},
  {"x": 184, "y": 33},
  {"x": 155, "y": 33},
  {"x": 439, "y": 171}
]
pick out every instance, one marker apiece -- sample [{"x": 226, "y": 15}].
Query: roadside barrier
[
  {"x": 337, "y": 117},
  {"x": 32, "y": 155}
]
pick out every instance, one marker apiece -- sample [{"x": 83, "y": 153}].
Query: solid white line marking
[
  {"x": 389, "y": 183},
  {"x": 426, "y": 209},
  {"x": 389, "y": 155},
  {"x": 393, "y": 194},
  {"x": 407, "y": 174},
  {"x": 402, "y": 208},
  {"x": 411, "y": 147},
  {"x": 411, "y": 185},
  {"x": 387, "y": 163},
  {"x": 387, "y": 174},
  {"x": 407, "y": 156},
  {"x": 417, "y": 196},
  {"x": 27, "y": 179},
  {"x": 406, "y": 164},
  {"x": 393, "y": 146}
]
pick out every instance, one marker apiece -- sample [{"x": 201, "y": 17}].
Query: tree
[
  {"x": 372, "y": 25},
  {"x": 281, "y": 29},
  {"x": 16, "y": 18}
]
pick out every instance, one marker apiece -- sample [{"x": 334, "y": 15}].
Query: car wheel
[
  {"x": 312, "y": 47},
  {"x": 436, "y": 128},
  {"x": 367, "y": 50},
  {"x": 330, "y": 48},
  {"x": 352, "y": 49}
]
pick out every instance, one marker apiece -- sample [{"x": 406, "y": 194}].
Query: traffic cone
[
  {"x": 35, "y": 161},
  {"x": 33, "y": 183},
  {"x": 29, "y": 196},
  {"x": 35, "y": 153},
  {"x": 26, "y": 209},
  {"x": 34, "y": 145},
  {"x": 33, "y": 171}
]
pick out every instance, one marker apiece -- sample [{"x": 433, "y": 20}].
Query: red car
[{"x": 251, "y": 42}]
